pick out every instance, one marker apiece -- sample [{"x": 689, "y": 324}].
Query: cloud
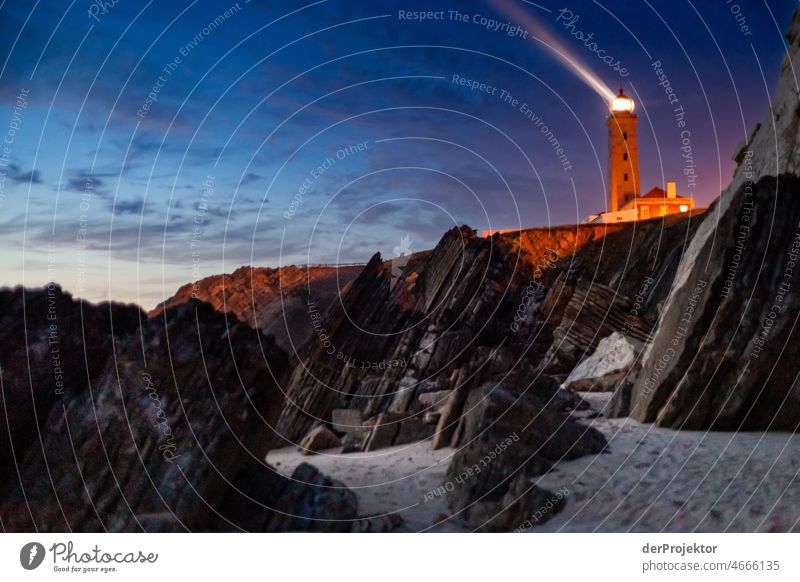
[
  {"x": 84, "y": 181},
  {"x": 249, "y": 178},
  {"x": 18, "y": 176},
  {"x": 131, "y": 207}
]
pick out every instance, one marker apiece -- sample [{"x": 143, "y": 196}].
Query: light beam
[{"x": 539, "y": 33}]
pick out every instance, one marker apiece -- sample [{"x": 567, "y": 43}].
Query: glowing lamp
[
  {"x": 622, "y": 104},
  {"x": 684, "y": 208}
]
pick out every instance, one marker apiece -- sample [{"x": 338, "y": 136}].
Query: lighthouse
[
  {"x": 623, "y": 153},
  {"x": 624, "y": 203}
]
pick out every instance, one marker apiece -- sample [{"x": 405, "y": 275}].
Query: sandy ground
[
  {"x": 650, "y": 479},
  {"x": 388, "y": 481},
  {"x": 655, "y": 479}
]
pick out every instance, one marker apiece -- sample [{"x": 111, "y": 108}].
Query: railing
[{"x": 330, "y": 265}]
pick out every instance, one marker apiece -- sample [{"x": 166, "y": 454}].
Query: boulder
[
  {"x": 346, "y": 420},
  {"x": 450, "y": 414},
  {"x": 383, "y": 432},
  {"x": 315, "y": 503},
  {"x": 354, "y": 442},
  {"x": 505, "y": 437},
  {"x": 620, "y": 403},
  {"x": 263, "y": 500},
  {"x": 320, "y": 438},
  {"x": 603, "y": 370}
]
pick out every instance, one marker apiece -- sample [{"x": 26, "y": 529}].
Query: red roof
[{"x": 655, "y": 193}]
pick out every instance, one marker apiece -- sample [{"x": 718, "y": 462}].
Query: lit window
[
  {"x": 644, "y": 212},
  {"x": 684, "y": 208},
  {"x": 662, "y": 210}
]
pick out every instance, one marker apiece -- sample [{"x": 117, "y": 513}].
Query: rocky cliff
[
  {"x": 474, "y": 308},
  {"x": 51, "y": 347},
  {"x": 154, "y": 425},
  {"x": 725, "y": 352}
]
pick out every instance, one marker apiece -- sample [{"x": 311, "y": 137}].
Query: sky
[{"x": 149, "y": 144}]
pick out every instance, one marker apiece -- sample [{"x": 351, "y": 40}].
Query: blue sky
[{"x": 246, "y": 150}]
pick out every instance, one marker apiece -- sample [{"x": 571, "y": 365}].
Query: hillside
[{"x": 273, "y": 300}]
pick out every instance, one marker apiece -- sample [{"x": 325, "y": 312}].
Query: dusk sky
[{"x": 147, "y": 144}]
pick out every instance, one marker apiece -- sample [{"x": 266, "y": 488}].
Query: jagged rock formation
[
  {"x": 725, "y": 353},
  {"x": 476, "y": 308},
  {"x": 273, "y": 300},
  {"x": 726, "y": 349},
  {"x": 384, "y": 345},
  {"x": 161, "y": 426},
  {"x": 469, "y": 323},
  {"x": 509, "y": 437},
  {"x": 49, "y": 351}
]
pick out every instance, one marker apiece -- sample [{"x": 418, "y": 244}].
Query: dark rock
[
  {"x": 725, "y": 353},
  {"x": 264, "y": 501},
  {"x": 506, "y": 437},
  {"x": 431, "y": 418},
  {"x": 320, "y": 438},
  {"x": 384, "y": 431},
  {"x": 413, "y": 429},
  {"x": 379, "y": 524},
  {"x": 450, "y": 414},
  {"x": 355, "y": 441},
  {"x": 434, "y": 401},
  {"x": 525, "y": 506},
  {"x": 164, "y": 444}
]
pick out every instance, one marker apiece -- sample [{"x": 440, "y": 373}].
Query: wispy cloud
[{"x": 19, "y": 176}]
